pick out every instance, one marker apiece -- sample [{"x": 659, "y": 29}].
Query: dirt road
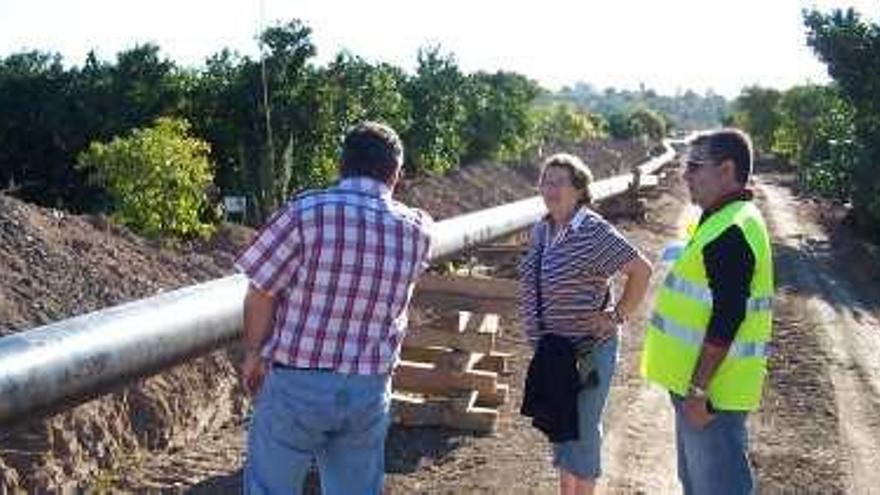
[
  {"x": 818, "y": 429},
  {"x": 820, "y": 426}
]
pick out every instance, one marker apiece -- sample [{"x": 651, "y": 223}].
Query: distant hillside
[{"x": 688, "y": 110}]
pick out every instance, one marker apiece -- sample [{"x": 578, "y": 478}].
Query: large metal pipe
[{"x": 66, "y": 363}]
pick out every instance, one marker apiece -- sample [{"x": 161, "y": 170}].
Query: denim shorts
[
  {"x": 581, "y": 457},
  {"x": 714, "y": 459},
  {"x": 336, "y": 419}
]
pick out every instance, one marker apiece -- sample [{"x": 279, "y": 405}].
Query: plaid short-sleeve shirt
[{"x": 341, "y": 264}]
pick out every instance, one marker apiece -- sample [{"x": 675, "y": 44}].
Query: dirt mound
[
  {"x": 483, "y": 184},
  {"x": 54, "y": 266}
]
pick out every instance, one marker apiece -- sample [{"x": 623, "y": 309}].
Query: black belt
[{"x": 281, "y": 366}]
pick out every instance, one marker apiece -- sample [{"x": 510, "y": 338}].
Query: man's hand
[
  {"x": 258, "y": 312},
  {"x": 696, "y": 411},
  {"x": 253, "y": 371}
]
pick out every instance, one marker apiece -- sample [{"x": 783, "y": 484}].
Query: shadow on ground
[{"x": 405, "y": 450}]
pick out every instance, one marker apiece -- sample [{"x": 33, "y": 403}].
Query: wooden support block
[
  {"x": 498, "y": 362},
  {"x": 410, "y": 411},
  {"x": 473, "y": 286},
  {"x": 462, "y": 302},
  {"x": 482, "y": 295},
  {"x": 424, "y": 378},
  {"x": 477, "y": 419},
  {"x": 455, "y": 321},
  {"x": 422, "y": 354},
  {"x": 443, "y": 358},
  {"x": 458, "y": 321},
  {"x": 494, "y": 361},
  {"x": 456, "y": 360},
  {"x": 496, "y": 399},
  {"x": 467, "y": 341},
  {"x": 478, "y": 322}
]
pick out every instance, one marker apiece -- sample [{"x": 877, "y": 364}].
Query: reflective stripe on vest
[
  {"x": 677, "y": 284},
  {"x": 694, "y": 338}
]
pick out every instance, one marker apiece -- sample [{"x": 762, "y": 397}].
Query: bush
[{"x": 158, "y": 178}]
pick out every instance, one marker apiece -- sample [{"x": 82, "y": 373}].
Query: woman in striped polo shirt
[{"x": 565, "y": 281}]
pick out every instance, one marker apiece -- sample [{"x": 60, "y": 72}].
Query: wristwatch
[{"x": 697, "y": 392}]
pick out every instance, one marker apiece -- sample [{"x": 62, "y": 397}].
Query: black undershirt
[{"x": 730, "y": 265}]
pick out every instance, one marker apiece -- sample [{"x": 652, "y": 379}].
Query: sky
[{"x": 669, "y": 45}]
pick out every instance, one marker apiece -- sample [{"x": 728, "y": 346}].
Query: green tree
[
  {"x": 754, "y": 111},
  {"x": 620, "y": 126},
  {"x": 348, "y": 91},
  {"x": 157, "y": 176},
  {"x": 850, "y": 47},
  {"x": 562, "y": 125},
  {"x": 223, "y": 109},
  {"x": 289, "y": 141},
  {"x": 646, "y": 122},
  {"x": 434, "y": 140},
  {"x": 40, "y": 127},
  {"x": 815, "y": 131},
  {"x": 144, "y": 86},
  {"x": 498, "y": 125}
]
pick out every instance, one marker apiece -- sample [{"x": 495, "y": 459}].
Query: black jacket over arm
[{"x": 552, "y": 386}]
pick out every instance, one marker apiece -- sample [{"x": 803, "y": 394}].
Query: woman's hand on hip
[{"x": 605, "y": 324}]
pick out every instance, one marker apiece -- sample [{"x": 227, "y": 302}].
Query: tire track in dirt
[{"x": 833, "y": 399}]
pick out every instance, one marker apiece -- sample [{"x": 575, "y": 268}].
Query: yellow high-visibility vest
[{"x": 683, "y": 306}]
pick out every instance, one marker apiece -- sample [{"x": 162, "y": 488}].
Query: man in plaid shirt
[{"x": 331, "y": 276}]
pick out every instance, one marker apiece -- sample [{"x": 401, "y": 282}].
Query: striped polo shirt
[{"x": 572, "y": 271}]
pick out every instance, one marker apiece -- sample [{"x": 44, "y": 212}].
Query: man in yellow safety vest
[{"x": 708, "y": 336}]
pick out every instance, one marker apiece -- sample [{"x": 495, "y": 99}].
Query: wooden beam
[
  {"x": 495, "y": 361},
  {"x": 455, "y": 321},
  {"x": 495, "y": 399},
  {"x": 411, "y": 411},
  {"x": 494, "y": 288},
  {"x": 425, "y": 378},
  {"x": 423, "y": 354},
  {"x": 467, "y": 341},
  {"x": 456, "y": 360},
  {"x": 482, "y": 295}
]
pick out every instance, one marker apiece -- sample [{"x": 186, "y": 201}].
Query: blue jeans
[
  {"x": 713, "y": 460},
  {"x": 340, "y": 420},
  {"x": 582, "y": 457}
]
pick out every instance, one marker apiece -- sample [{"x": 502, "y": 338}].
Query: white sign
[{"x": 235, "y": 204}]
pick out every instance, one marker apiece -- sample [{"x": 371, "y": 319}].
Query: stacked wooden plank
[{"x": 450, "y": 368}]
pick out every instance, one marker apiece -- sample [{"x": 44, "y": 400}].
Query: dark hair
[
  {"x": 727, "y": 144},
  {"x": 371, "y": 149},
  {"x": 581, "y": 176}
]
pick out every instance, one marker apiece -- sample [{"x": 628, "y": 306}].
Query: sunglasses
[{"x": 692, "y": 165}]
